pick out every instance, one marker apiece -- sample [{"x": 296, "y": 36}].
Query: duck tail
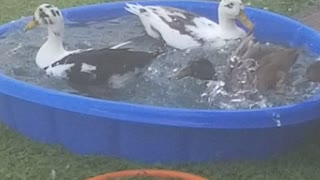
[{"x": 134, "y": 8}]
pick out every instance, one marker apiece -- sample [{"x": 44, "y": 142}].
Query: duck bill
[
  {"x": 243, "y": 18},
  {"x": 183, "y": 73},
  {"x": 32, "y": 24}
]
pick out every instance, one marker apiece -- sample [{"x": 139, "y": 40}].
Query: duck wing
[
  {"x": 188, "y": 23},
  {"x": 283, "y": 59},
  {"x": 275, "y": 67},
  {"x": 97, "y": 66},
  {"x": 170, "y": 24}
]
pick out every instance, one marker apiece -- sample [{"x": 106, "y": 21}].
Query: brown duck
[
  {"x": 275, "y": 67},
  {"x": 273, "y": 64},
  {"x": 312, "y": 74}
]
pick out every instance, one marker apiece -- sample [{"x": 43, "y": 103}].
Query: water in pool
[{"x": 154, "y": 86}]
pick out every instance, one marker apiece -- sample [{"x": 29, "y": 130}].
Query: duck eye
[
  {"x": 42, "y": 14},
  {"x": 230, "y": 5}
]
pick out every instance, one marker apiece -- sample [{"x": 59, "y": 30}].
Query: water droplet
[{"x": 276, "y": 119}]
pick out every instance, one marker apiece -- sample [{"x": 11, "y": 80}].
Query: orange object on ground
[{"x": 148, "y": 173}]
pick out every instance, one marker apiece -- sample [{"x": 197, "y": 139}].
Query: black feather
[
  {"x": 107, "y": 61},
  {"x": 179, "y": 23}
]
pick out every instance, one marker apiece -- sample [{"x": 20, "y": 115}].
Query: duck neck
[
  {"x": 226, "y": 23},
  {"x": 55, "y": 38},
  {"x": 52, "y": 50}
]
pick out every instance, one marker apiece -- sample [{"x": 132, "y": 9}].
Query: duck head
[
  {"x": 232, "y": 10},
  {"x": 313, "y": 72},
  {"x": 50, "y": 17},
  {"x": 201, "y": 69}
]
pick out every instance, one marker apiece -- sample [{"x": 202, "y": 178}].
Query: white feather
[
  {"x": 59, "y": 70},
  {"x": 87, "y": 68},
  {"x": 120, "y": 45},
  {"x": 155, "y": 18}
]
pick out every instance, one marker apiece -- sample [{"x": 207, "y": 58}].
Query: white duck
[
  {"x": 182, "y": 30},
  {"x": 90, "y": 66}
]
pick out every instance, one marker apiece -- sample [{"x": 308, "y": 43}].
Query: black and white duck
[
  {"x": 181, "y": 29},
  {"x": 85, "y": 67}
]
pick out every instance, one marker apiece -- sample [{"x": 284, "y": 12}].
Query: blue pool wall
[{"x": 157, "y": 134}]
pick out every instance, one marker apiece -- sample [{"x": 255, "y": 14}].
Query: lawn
[
  {"x": 23, "y": 159},
  {"x": 13, "y": 9}
]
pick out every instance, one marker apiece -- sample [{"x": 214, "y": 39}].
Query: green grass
[
  {"x": 13, "y": 9},
  {"x": 22, "y": 159}
]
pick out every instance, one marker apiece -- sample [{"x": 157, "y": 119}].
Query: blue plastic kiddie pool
[{"x": 156, "y": 134}]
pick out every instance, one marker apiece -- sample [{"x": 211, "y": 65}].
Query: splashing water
[
  {"x": 154, "y": 86},
  {"x": 237, "y": 86}
]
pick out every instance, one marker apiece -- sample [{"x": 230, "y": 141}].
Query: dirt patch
[{"x": 310, "y": 16}]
